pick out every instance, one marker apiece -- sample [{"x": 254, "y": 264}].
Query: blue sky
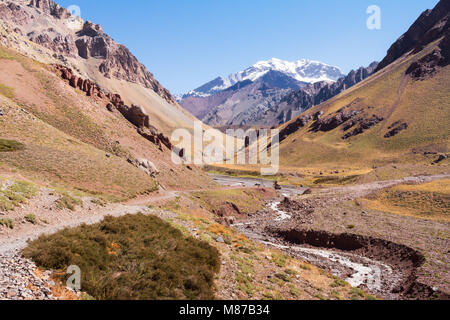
[{"x": 186, "y": 43}]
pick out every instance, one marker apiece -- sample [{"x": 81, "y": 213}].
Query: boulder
[
  {"x": 333, "y": 121},
  {"x": 441, "y": 158},
  {"x": 147, "y": 164}
]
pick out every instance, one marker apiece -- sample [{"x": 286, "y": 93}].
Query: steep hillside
[
  {"x": 44, "y": 31},
  {"x": 69, "y": 138},
  {"x": 399, "y": 115}
]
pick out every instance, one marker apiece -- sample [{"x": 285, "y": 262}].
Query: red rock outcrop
[
  {"x": 118, "y": 62},
  {"x": 85, "y": 85},
  {"x": 135, "y": 115}
]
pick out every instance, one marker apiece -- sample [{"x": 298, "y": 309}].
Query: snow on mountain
[{"x": 302, "y": 70}]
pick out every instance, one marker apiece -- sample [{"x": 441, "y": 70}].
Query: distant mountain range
[
  {"x": 302, "y": 70},
  {"x": 301, "y": 100},
  {"x": 268, "y": 93}
]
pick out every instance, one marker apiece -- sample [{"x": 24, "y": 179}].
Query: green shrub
[
  {"x": 66, "y": 201},
  {"x": 339, "y": 283},
  {"x": 31, "y": 218},
  {"x": 7, "y": 223},
  {"x": 135, "y": 257},
  {"x": 10, "y": 145},
  {"x": 16, "y": 194},
  {"x": 7, "y": 91}
]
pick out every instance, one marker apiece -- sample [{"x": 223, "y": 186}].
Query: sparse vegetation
[
  {"x": 99, "y": 201},
  {"x": 283, "y": 276},
  {"x": 66, "y": 201},
  {"x": 5, "y": 55},
  {"x": 6, "y": 91},
  {"x": 10, "y": 145},
  {"x": 132, "y": 257},
  {"x": 429, "y": 200},
  {"x": 336, "y": 180},
  {"x": 31, "y": 218},
  {"x": 280, "y": 259},
  {"x": 338, "y": 283},
  {"x": 305, "y": 266},
  {"x": 16, "y": 194},
  {"x": 244, "y": 200},
  {"x": 6, "y": 222}
]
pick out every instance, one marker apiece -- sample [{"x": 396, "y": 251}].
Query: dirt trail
[{"x": 87, "y": 215}]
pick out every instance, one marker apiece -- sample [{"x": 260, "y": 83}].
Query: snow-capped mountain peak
[{"x": 303, "y": 70}]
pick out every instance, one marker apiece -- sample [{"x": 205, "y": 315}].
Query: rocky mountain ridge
[
  {"x": 47, "y": 24},
  {"x": 429, "y": 27},
  {"x": 271, "y": 100},
  {"x": 306, "y": 71}
]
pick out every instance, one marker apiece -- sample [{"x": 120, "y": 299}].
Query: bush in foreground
[{"x": 131, "y": 257}]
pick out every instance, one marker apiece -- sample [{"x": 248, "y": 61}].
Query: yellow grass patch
[{"x": 427, "y": 201}]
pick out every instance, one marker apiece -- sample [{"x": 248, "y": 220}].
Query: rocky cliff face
[
  {"x": 136, "y": 115},
  {"x": 47, "y": 24},
  {"x": 430, "y": 26},
  {"x": 440, "y": 57},
  {"x": 51, "y": 8}
]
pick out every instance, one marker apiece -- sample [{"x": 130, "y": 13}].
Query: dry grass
[
  {"x": 7, "y": 222},
  {"x": 7, "y": 91},
  {"x": 31, "y": 218},
  {"x": 427, "y": 201},
  {"x": 16, "y": 194},
  {"x": 48, "y": 155},
  {"x": 67, "y": 201},
  {"x": 10, "y": 145},
  {"x": 246, "y": 200}
]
